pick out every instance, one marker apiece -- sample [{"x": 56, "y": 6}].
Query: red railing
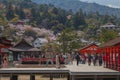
[{"x": 112, "y": 57}]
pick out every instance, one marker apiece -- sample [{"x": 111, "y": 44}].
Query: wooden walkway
[
  {"x": 71, "y": 68},
  {"x": 82, "y": 70}
]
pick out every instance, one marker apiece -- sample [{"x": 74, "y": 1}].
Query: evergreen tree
[
  {"x": 10, "y": 12},
  {"x": 78, "y": 19}
]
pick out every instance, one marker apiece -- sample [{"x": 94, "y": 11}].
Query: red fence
[{"x": 112, "y": 57}]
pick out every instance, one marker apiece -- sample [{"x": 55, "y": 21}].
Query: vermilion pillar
[
  {"x": 108, "y": 57},
  {"x": 106, "y": 52},
  {"x": 114, "y": 54},
  {"x": 119, "y": 60},
  {"x": 111, "y": 57}
]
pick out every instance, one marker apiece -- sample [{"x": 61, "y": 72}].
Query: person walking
[
  {"x": 83, "y": 59},
  {"x": 104, "y": 59},
  {"x": 57, "y": 61},
  {"x": 69, "y": 59},
  {"x": 95, "y": 58},
  {"x": 78, "y": 58},
  {"x": 89, "y": 59},
  {"x": 100, "y": 60},
  {"x": 49, "y": 57}
]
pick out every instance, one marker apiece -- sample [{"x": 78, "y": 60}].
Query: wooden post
[
  {"x": 115, "y": 52},
  {"x": 73, "y": 78},
  {"x": 106, "y": 55},
  {"x": 11, "y": 76},
  {"x": 51, "y": 77},
  {"x": 118, "y": 77},
  {"x": 111, "y": 60},
  {"x": 107, "y": 58},
  {"x": 95, "y": 77},
  {"x": 68, "y": 77},
  {"x": 32, "y": 77},
  {"x": 119, "y": 60},
  {"x": 14, "y": 77}
]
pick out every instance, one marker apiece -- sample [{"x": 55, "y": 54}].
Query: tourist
[
  {"x": 69, "y": 59},
  {"x": 5, "y": 63},
  {"x": 89, "y": 59},
  {"x": 95, "y": 58},
  {"x": 83, "y": 57},
  {"x": 66, "y": 58},
  {"x": 100, "y": 60},
  {"x": 77, "y": 58},
  {"x": 49, "y": 57},
  {"x": 104, "y": 59},
  {"x": 73, "y": 56},
  {"x": 57, "y": 61}
]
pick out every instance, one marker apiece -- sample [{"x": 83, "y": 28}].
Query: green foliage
[
  {"x": 68, "y": 40},
  {"x": 75, "y": 5},
  {"x": 10, "y": 13},
  {"x": 78, "y": 19},
  {"x": 3, "y": 21},
  {"x": 30, "y": 32},
  {"x": 107, "y": 35},
  {"x": 57, "y": 19}
]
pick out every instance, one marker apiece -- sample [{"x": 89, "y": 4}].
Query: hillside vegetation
[
  {"x": 75, "y": 5},
  {"x": 54, "y": 18}
]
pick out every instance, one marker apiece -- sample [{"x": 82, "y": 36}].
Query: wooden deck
[{"x": 83, "y": 70}]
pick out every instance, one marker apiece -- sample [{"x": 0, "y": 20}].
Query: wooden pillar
[
  {"x": 114, "y": 59},
  {"x": 68, "y": 77},
  {"x": 51, "y": 77},
  {"x": 118, "y": 77},
  {"x": 119, "y": 60},
  {"x": 0, "y": 60},
  {"x": 111, "y": 58},
  {"x": 106, "y": 57},
  {"x": 11, "y": 76},
  {"x": 72, "y": 77},
  {"x": 14, "y": 77},
  {"x": 115, "y": 52},
  {"x": 32, "y": 77},
  {"x": 95, "y": 77}
]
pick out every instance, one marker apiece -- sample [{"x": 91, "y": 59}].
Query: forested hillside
[
  {"x": 53, "y": 18},
  {"x": 75, "y": 5}
]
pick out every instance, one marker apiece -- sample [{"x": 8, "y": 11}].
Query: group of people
[
  {"x": 55, "y": 58},
  {"x": 96, "y": 59},
  {"x": 68, "y": 58}
]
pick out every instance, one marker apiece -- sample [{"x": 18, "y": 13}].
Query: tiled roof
[
  {"x": 112, "y": 42},
  {"x": 23, "y": 45},
  {"x": 88, "y": 46}
]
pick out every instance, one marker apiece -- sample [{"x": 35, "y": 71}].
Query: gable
[
  {"x": 23, "y": 45},
  {"x": 90, "y": 48}
]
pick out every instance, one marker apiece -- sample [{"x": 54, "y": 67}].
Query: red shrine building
[
  {"x": 111, "y": 50},
  {"x": 91, "y": 48}
]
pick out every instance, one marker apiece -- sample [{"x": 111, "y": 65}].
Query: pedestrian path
[{"x": 86, "y": 68}]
